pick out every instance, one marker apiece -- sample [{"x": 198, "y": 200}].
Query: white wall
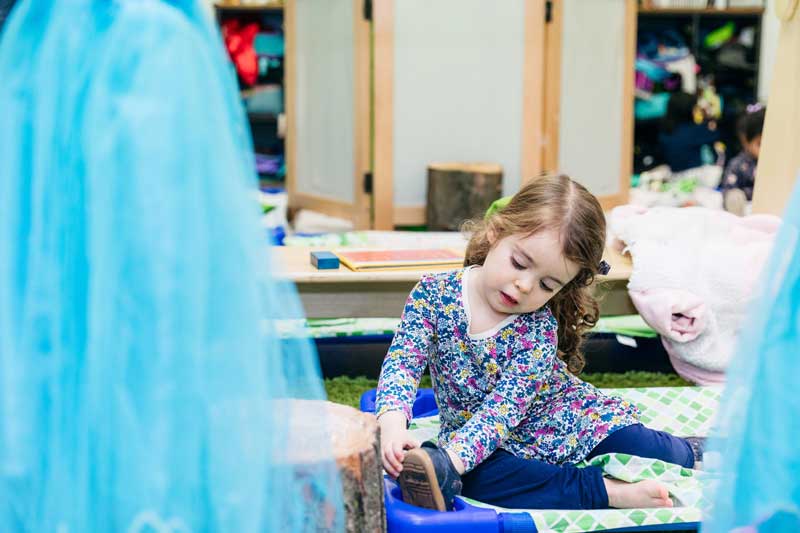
[
  {"x": 592, "y": 81},
  {"x": 324, "y": 105},
  {"x": 458, "y": 89}
]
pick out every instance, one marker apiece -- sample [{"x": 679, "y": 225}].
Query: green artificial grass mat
[{"x": 347, "y": 391}]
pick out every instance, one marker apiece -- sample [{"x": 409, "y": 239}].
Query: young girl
[
  {"x": 740, "y": 174},
  {"x": 502, "y": 338}
]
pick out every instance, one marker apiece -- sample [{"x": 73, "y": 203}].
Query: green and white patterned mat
[
  {"x": 325, "y": 328},
  {"x": 682, "y": 411},
  {"x": 319, "y": 328},
  {"x": 381, "y": 239}
]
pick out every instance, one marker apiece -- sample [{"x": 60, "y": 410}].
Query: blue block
[{"x": 324, "y": 260}]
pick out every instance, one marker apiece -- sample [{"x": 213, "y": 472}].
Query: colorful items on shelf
[
  {"x": 271, "y": 166},
  {"x": 274, "y": 203},
  {"x": 256, "y": 51},
  {"x": 709, "y": 103},
  {"x": 664, "y": 46},
  {"x": 239, "y": 39},
  {"x": 663, "y": 63},
  {"x": 269, "y": 44},
  {"x": 267, "y": 99},
  {"x": 651, "y": 107},
  {"x": 667, "y": 56},
  {"x": 269, "y": 48},
  {"x": 716, "y": 38}
]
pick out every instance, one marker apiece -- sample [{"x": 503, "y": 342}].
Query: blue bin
[
  {"x": 402, "y": 517},
  {"x": 424, "y": 404}
]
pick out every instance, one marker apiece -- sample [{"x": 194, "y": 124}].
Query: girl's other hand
[
  {"x": 395, "y": 440},
  {"x": 394, "y": 451}
]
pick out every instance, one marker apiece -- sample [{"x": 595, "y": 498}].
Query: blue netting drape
[
  {"x": 759, "y": 434},
  {"x": 142, "y": 384},
  {"x": 5, "y": 8}
]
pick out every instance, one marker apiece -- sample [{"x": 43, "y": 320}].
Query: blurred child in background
[
  {"x": 740, "y": 174},
  {"x": 681, "y": 138}
]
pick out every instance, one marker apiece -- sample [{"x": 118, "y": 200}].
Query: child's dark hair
[
  {"x": 561, "y": 204},
  {"x": 751, "y": 122},
  {"x": 680, "y": 110}
]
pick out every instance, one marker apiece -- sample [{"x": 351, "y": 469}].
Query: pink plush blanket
[{"x": 694, "y": 273}]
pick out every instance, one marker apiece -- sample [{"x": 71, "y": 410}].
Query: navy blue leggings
[{"x": 508, "y": 481}]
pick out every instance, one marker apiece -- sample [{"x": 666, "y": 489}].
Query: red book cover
[{"x": 359, "y": 259}]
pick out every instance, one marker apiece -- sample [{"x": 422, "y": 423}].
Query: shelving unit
[
  {"x": 736, "y": 85},
  {"x": 248, "y": 8},
  {"x": 264, "y": 125}
]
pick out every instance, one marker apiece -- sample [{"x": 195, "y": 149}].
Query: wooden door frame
[
  {"x": 552, "y": 99},
  {"x": 779, "y": 161},
  {"x": 533, "y": 90},
  {"x": 383, "y": 83},
  {"x": 387, "y": 215},
  {"x": 359, "y": 210}
]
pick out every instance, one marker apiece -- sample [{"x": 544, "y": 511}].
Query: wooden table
[{"x": 344, "y": 293}]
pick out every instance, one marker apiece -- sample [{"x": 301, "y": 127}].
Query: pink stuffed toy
[{"x": 695, "y": 271}]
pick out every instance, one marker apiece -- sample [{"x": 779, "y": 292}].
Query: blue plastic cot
[{"x": 402, "y": 517}]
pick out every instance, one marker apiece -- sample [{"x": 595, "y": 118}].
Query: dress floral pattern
[
  {"x": 741, "y": 174},
  {"x": 504, "y": 388}
]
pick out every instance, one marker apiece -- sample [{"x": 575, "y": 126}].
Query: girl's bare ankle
[{"x": 642, "y": 494}]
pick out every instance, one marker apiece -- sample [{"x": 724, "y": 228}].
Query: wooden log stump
[
  {"x": 459, "y": 192},
  {"x": 355, "y": 447}
]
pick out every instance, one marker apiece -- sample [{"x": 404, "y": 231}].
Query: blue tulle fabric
[
  {"x": 759, "y": 433},
  {"x": 143, "y": 386}
]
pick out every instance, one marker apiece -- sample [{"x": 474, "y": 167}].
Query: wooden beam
[
  {"x": 552, "y": 88},
  {"x": 628, "y": 86},
  {"x": 409, "y": 215},
  {"x": 383, "y": 170},
  {"x": 289, "y": 95},
  {"x": 779, "y": 161},
  {"x": 321, "y": 204},
  {"x": 361, "y": 107},
  {"x": 611, "y": 201},
  {"x": 533, "y": 70}
]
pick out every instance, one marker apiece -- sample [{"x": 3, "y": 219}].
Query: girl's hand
[
  {"x": 395, "y": 440},
  {"x": 394, "y": 451}
]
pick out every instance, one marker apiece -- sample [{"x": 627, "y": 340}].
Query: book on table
[{"x": 361, "y": 260}]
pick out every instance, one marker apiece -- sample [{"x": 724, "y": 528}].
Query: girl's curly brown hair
[{"x": 561, "y": 204}]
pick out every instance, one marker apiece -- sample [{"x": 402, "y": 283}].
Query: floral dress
[
  {"x": 741, "y": 174},
  {"x": 504, "y": 388}
]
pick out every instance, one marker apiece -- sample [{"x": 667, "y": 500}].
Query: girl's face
[
  {"x": 521, "y": 273},
  {"x": 752, "y": 147}
]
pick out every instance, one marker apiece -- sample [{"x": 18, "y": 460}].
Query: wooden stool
[
  {"x": 355, "y": 446},
  {"x": 459, "y": 192}
]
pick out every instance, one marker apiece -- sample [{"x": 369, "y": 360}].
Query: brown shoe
[{"x": 429, "y": 479}]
